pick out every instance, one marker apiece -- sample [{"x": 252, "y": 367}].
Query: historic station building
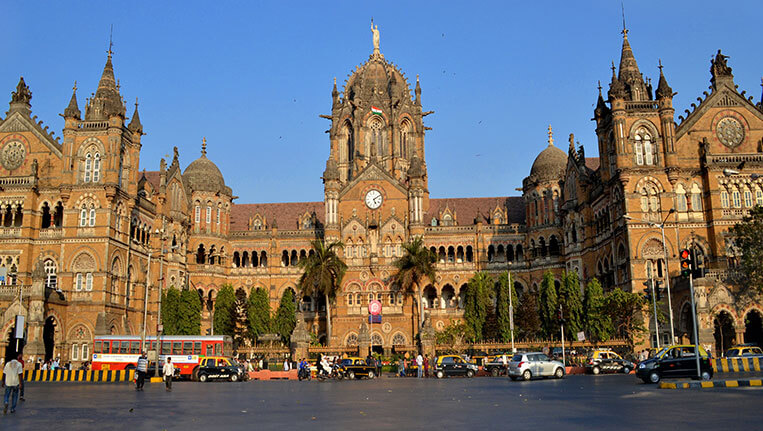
[{"x": 85, "y": 230}]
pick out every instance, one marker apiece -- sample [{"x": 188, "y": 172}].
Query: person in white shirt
[
  {"x": 420, "y": 364},
  {"x": 11, "y": 383},
  {"x": 168, "y": 371},
  {"x": 286, "y": 364}
]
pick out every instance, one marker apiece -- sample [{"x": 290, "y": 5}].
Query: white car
[{"x": 534, "y": 364}]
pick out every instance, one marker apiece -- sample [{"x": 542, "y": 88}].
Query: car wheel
[
  {"x": 195, "y": 374},
  {"x": 371, "y": 375},
  {"x": 469, "y": 373},
  {"x": 440, "y": 374},
  {"x": 596, "y": 370},
  {"x": 559, "y": 373},
  {"x": 202, "y": 378},
  {"x": 527, "y": 375},
  {"x": 654, "y": 377},
  {"x": 351, "y": 375},
  {"x": 494, "y": 372},
  {"x": 706, "y": 375},
  {"x": 234, "y": 377},
  {"x": 626, "y": 370}
]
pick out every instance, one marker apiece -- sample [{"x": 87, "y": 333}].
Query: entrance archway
[
  {"x": 11, "y": 350},
  {"x": 753, "y": 328},
  {"x": 49, "y": 337},
  {"x": 686, "y": 325},
  {"x": 724, "y": 332}
]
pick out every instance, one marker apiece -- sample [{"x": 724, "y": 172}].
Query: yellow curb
[
  {"x": 665, "y": 385},
  {"x": 156, "y": 380},
  {"x": 732, "y": 383},
  {"x": 756, "y": 382},
  {"x": 707, "y": 384}
]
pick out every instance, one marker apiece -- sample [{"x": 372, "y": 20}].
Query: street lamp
[
  {"x": 667, "y": 272},
  {"x": 732, "y": 172}
]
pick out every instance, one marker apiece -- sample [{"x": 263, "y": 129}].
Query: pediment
[
  {"x": 373, "y": 172},
  {"x": 724, "y": 97},
  {"x": 16, "y": 122}
]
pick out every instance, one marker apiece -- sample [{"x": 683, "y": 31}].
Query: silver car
[{"x": 534, "y": 364}]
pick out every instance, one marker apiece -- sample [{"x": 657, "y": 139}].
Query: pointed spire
[
  {"x": 72, "y": 111},
  {"x": 616, "y": 87},
  {"x": 550, "y": 136},
  {"x": 663, "y": 89},
  {"x": 204, "y": 147},
  {"x": 417, "y": 91},
  {"x": 601, "y": 105},
  {"x": 572, "y": 143},
  {"x": 107, "y": 100},
  {"x": 135, "y": 124},
  {"x": 22, "y": 95}
]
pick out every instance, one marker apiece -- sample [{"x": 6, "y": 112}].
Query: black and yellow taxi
[
  {"x": 453, "y": 365},
  {"x": 354, "y": 367},
  {"x": 219, "y": 368},
  {"x": 607, "y": 361},
  {"x": 675, "y": 361},
  {"x": 744, "y": 351}
]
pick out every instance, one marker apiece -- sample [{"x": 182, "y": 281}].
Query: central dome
[
  {"x": 376, "y": 77},
  {"x": 202, "y": 175},
  {"x": 550, "y": 164}
]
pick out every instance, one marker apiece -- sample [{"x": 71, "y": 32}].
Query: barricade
[
  {"x": 736, "y": 365},
  {"x": 273, "y": 375},
  {"x": 79, "y": 376}
]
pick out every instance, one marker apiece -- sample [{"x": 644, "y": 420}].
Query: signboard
[
  {"x": 19, "y": 326},
  {"x": 511, "y": 317},
  {"x": 581, "y": 336},
  {"x": 3, "y": 273},
  {"x": 374, "y": 319},
  {"x": 374, "y": 307}
]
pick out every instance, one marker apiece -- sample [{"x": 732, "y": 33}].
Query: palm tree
[
  {"x": 323, "y": 273},
  {"x": 416, "y": 264}
]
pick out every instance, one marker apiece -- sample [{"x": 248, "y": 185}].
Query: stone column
[
  {"x": 300, "y": 339},
  {"x": 36, "y": 313},
  {"x": 364, "y": 340},
  {"x": 428, "y": 339}
]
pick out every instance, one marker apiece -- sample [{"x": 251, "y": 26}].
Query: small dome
[
  {"x": 550, "y": 164},
  {"x": 204, "y": 176}
]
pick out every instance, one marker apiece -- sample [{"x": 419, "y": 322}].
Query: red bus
[{"x": 121, "y": 352}]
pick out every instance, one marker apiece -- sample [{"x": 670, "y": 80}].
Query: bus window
[
  {"x": 135, "y": 347},
  {"x": 177, "y": 348},
  {"x": 166, "y": 348},
  {"x": 210, "y": 350},
  {"x": 218, "y": 349},
  {"x": 97, "y": 347},
  {"x": 197, "y": 348},
  {"x": 124, "y": 346},
  {"x": 153, "y": 345},
  {"x": 188, "y": 348}
]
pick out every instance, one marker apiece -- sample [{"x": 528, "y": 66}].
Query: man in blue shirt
[{"x": 141, "y": 369}]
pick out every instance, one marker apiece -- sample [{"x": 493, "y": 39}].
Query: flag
[{"x": 376, "y": 111}]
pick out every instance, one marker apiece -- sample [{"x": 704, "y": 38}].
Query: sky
[{"x": 253, "y": 76}]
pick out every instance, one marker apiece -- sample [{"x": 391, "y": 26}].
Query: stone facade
[{"x": 83, "y": 228}]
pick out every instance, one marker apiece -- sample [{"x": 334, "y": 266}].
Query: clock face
[{"x": 373, "y": 199}]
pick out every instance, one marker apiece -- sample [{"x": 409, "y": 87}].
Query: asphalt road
[{"x": 576, "y": 402}]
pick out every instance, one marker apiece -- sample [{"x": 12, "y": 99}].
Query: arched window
[
  {"x": 736, "y": 198},
  {"x": 218, "y": 215},
  {"x": 96, "y": 168},
  {"x": 405, "y": 129},
  {"x": 78, "y": 284},
  {"x": 88, "y": 167},
  {"x": 724, "y": 199},
  {"x": 747, "y": 198},
  {"x": 644, "y": 148},
  {"x": 696, "y": 198},
  {"x": 51, "y": 280},
  {"x": 83, "y": 216},
  {"x": 92, "y": 214},
  {"x": 197, "y": 214},
  {"x": 376, "y": 137},
  {"x": 759, "y": 196},
  {"x": 45, "y": 216},
  {"x": 681, "y": 198},
  {"x": 447, "y": 220},
  {"x": 209, "y": 215}
]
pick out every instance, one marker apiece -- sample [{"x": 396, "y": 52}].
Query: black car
[
  {"x": 675, "y": 361},
  {"x": 607, "y": 361},
  {"x": 495, "y": 365},
  {"x": 452, "y": 365},
  {"x": 358, "y": 367},
  {"x": 218, "y": 368}
]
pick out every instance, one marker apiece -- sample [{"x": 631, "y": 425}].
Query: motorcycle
[
  {"x": 304, "y": 374},
  {"x": 336, "y": 373}
]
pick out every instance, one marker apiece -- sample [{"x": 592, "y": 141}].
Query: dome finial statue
[
  {"x": 204, "y": 146},
  {"x": 550, "y": 136},
  {"x": 375, "y": 31}
]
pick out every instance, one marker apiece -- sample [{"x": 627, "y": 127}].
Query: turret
[
  {"x": 107, "y": 101},
  {"x": 20, "y": 99}
]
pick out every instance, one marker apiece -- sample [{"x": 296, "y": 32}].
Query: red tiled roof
[
  {"x": 469, "y": 209},
  {"x": 592, "y": 163},
  {"x": 285, "y": 215},
  {"x": 153, "y": 178}
]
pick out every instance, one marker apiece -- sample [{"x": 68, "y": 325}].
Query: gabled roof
[
  {"x": 153, "y": 177},
  {"x": 284, "y": 215},
  {"x": 723, "y": 96},
  {"x": 592, "y": 163},
  {"x": 467, "y": 210}
]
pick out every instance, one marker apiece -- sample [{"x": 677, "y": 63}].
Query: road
[{"x": 576, "y": 402}]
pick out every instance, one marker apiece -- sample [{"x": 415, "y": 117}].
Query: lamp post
[
  {"x": 661, "y": 226},
  {"x": 145, "y": 302}
]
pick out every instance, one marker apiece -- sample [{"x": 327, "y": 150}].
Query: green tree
[
  {"x": 477, "y": 300},
  {"x": 286, "y": 316},
  {"x": 572, "y": 308},
  {"x": 527, "y": 318},
  {"x": 624, "y": 310},
  {"x": 596, "y": 321},
  {"x": 505, "y": 291},
  {"x": 170, "y": 309},
  {"x": 453, "y": 336},
  {"x": 748, "y": 239},
  {"x": 323, "y": 274},
  {"x": 189, "y": 313},
  {"x": 413, "y": 268},
  {"x": 258, "y": 313},
  {"x": 225, "y": 311},
  {"x": 549, "y": 306}
]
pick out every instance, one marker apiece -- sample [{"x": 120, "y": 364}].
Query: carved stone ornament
[
  {"x": 13, "y": 155},
  {"x": 730, "y": 131}
]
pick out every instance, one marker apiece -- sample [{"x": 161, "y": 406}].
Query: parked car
[
  {"x": 744, "y": 351},
  {"x": 675, "y": 361},
  {"x": 357, "y": 367},
  {"x": 453, "y": 365},
  {"x": 495, "y": 365},
  {"x": 220, "y": 368},
  {"x": 607, "y": 361},
  {"x": 534, "y": 364}
]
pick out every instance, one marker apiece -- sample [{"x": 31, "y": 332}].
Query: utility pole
[
  {"x": 694, "y": 320},
  {"x": 654, "y": 304},
  {"x": 511, "y": 314},
  {"x": 561, "y": 321},
  {"x": 145, "y": 303}
]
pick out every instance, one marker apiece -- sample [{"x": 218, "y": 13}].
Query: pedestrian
[
  {"x": 286, "y": 364},
  {"x": 11, "y": 383},
  {"x": 140, "y": 370},
  {"x": 505, "y": 362},
  {"x": 168, "y": 371},
  {"x": 401, "y": 367},
  {"x": 21, "y": 378},
  {"x": 420, "y": 366},
  {"x": 426, "y": 365}
]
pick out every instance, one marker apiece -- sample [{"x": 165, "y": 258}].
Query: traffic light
[
  {"x": 647, "y": 292},
  {"x": 658, "y": 290},
  {"x": 687, "y": 262},
  {"x": 560, "y": 316}
]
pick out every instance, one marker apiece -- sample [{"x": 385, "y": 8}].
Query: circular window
[
  {"x": 730, "y": 131},
  {"x": 13, "y": 155}
]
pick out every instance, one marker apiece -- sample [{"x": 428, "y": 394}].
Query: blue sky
[{"x": 254, "y": 76}]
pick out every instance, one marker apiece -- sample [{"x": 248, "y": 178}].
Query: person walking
[
  {"x": 286, "y": 364},
  {"x": 168, "y": 371},
  {"x": 11, "y": 382},
  {"x": 420, "y": 366},
  {"x": 141, "y": 369},
  {"x": 401, "y": 367},
  {"x": 426, "y": 365}
]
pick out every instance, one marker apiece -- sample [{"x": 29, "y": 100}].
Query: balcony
[
  {"x": 735, "y": 213},
  {"x": 52, "y": 232},
  {"x": 10, "y": 232},
  {"x": 642, "y": 105},
  {"x": 11, "y": 292},
  {"x": 25, "y": 182},
  {"x": 733, "y": 160}
]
